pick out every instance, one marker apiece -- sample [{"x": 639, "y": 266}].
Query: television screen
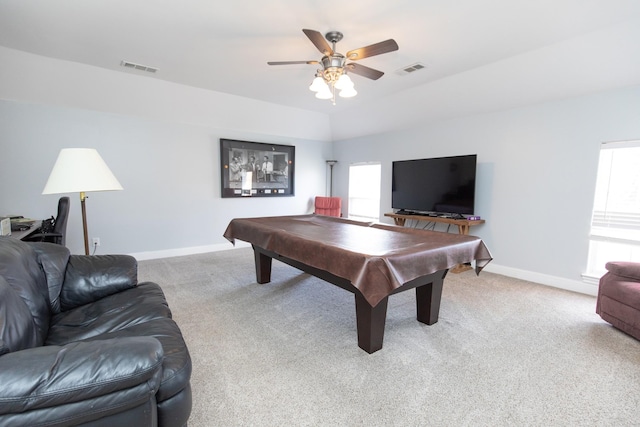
[{"x": 443, "y": 185}]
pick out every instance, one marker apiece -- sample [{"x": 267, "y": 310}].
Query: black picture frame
[{"x": 271, "y": 174}]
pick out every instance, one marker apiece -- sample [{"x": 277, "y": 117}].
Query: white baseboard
[
  {"x": 531, "y": 276},
  {"x": 169, "y": 253},
  {"x": 544, "y": 279}
]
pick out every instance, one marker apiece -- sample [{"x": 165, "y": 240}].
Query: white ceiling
[{"x": 225, "y": 45}]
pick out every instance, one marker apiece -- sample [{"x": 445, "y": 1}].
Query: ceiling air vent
[
  {"x": 410, "y": 69},
  {"x": 134, "y": 66}
]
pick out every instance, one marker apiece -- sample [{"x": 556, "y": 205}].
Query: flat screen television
[{"x": 439, "y": 186}]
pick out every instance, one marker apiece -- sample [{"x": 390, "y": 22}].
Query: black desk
[{"x": 22, "y": 234}]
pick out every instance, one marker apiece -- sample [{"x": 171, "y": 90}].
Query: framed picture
[{"x": 256, "y": 169}]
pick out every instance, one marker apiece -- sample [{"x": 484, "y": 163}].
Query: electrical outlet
[{"x": 96, "y": 241}]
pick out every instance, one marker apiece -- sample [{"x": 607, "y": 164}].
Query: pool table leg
[
  {"x": 370, "y": 323},
  {"x": 263, "y": 266},
  {"x": 428, "y": 301}
]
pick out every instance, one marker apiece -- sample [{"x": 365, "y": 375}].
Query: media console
[{"x": 463, "y": 227}]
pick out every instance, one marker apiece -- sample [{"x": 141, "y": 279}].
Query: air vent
[
  {"x": 410, "y": 69},
  {"x": 134, "y": 66}
]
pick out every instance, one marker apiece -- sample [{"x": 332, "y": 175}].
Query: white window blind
[{"x": 615, "y": 225}]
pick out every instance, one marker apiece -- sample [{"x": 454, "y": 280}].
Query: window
[
  {"x": 364, "y": 192},
  {"x": 615, "y": 224}
]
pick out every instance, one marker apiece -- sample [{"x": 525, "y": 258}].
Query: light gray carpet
[{"x": 504, "y": 352}]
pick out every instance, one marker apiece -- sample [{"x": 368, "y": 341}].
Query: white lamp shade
[{"x": 80, "y": 170}]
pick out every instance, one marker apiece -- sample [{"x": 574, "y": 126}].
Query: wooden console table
[{"x": 463, "y": 228}]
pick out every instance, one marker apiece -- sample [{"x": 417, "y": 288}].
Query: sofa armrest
[
  {"x": 626, "y": 269},
  {"x": 51, "y": 376},
  {"x": 89, "y": 278}
]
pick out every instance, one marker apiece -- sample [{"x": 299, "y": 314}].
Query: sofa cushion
[
  {"x": 19, "y": 267},
  {"x": 627, "y": 269},
  {"x": 124, "y": 309},
  {"x": 17, "y": 330},
  {"x": 619, "y": 298},
  {"x": 53, "y": 259},
  {"x": 620, "y": 289},
  {"x": 89, "y": 278},
  {"x": 137, "y": 312},
  {"x": 84, "y": 381},
  {"x": 176, "y": 365}
]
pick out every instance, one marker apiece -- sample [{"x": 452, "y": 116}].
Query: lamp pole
[
  {"x": 83, "y": 197},
  {"x": 331, "y": 163}
]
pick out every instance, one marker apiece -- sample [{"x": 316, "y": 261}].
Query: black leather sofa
[{"x": 82, "y": 343}]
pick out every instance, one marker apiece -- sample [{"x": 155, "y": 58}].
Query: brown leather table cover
[{"x": 375, "y": 258}]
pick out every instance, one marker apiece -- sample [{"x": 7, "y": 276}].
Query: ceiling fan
[{"x": 333, "y": 74}]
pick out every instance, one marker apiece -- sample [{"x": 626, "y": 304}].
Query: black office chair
[{"x": 58, "y": 233}]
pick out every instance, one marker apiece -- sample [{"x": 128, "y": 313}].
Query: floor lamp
[
  {"x": 80, "y": 170},
  {"x": 331, "y": 163}
]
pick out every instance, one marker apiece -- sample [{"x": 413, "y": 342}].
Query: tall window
[
  {"x": 364, "y": 192},
  {"x": 615, "y": 225}
]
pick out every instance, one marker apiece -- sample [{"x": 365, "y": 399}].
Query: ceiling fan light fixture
[
  {"x": 344, "y": 82},
  {"x": 332, "y": 74},
  {"x": 349, "y": 92},
  {"x": 324, "y": 93},
  {"x": 318, "y": 84}
]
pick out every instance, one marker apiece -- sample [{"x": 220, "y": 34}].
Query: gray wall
[
  {"x": 536, "y": 175},
  {"x": 161, "y": 140},
  {"x": 537, "y": 164},
  {"x": 170, "y": 173}
]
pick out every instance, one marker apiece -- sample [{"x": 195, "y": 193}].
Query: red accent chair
[
  {"x": 619, "y": 297},
  {"x": 328, "y": 206}
]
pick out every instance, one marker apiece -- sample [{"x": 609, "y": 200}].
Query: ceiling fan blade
[
  {"x": 363, "y": 71},
  {"x": 372, "y": 50},
  {"x": 319, "y": 42},
  {"x": 291, "y": 62}
]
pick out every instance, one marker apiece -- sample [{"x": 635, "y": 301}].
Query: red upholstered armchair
[
  {"x": 329, "y": 206},
  {"x": 619, "y": 297}
]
